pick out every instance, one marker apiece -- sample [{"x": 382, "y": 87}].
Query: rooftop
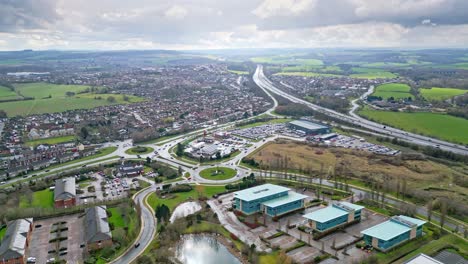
[
  {"x": 260, "y": 191},
  {"x": 96, "y": 224},
  {"x": 14, "y": 242},
  {"x": 291, "y": 197},
  {"x": 392, "y": 228},
  {"x": 423, "y": 259},
  {"x": 307, "y": 124},
  {"x": 350, "y": 205},
  {"x": 64, "y": 189},
  {"x": 326, "y": 214}
]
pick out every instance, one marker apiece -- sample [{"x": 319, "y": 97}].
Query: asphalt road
[
  {"x": 262, "y": 81},
  {"x": 148, "y": 230}
]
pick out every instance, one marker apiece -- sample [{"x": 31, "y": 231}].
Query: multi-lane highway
[{"x": 263, "y": 82}]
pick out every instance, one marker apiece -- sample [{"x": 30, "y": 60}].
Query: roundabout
[
  {"x": 218, "y": 173},
  {"x": 139, "y": 150}
]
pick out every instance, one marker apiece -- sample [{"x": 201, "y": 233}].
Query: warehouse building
[
  {"x": 423, "y": 259},
  {"x": 65, "y": 193},
  {"x": 393, "y": 232},
  {"x": 309, "y": 128},
  {"x": 15, "y": 242},
  {"x": 334, "y": 216},
  {"x": 270, "y": 199}
]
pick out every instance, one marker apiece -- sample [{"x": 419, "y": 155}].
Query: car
[
  {"x": 83, "y": 166},
  {"x": 1, "y": 183},
  {"x": 31, "y": 260},
  {"x": 47, "y": 170},
  {"x": 137, "y": 245}
]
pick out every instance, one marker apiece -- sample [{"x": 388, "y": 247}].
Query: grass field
[
  {"x": 42, "y": 199},
  {"x": 218, "y": 173},
  {"x": 374, "y": 75},
  {"x": 442, "y": 126},
  {"x": 395, "y": 90},
  {"x": 58, "y": 102},
  {"x": 439, "y": 94},
  {"x": 239, "y": 72},
  {"x": 311, "y": 68},
  {"x": 308, "y": 74},
  {"x": 172, "y": 203},
  {"x": 139, "y": 150},
  {"x": 286, "y": 59},
  {"x": 116, "y": 217},
  {"x": 420, "y": 174},
  {"x": 7, "y": 94},
  {"x": 51, "y": 141}
]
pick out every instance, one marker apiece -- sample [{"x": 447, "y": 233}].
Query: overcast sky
[{"x": 212, "y": 24}]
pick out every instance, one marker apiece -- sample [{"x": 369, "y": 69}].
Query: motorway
[{"x": 263, "y": 82}]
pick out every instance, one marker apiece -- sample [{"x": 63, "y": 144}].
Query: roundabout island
[
  {"x": 218, "y": 173},
  {"x": 139, "y": 150}
]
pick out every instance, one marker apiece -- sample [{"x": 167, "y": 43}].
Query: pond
[{"x": 203, "y": 249}]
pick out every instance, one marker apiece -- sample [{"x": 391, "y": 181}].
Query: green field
[
  {"x": 50, "y": 141},
  {"x": 207, "y": 191},
  {"x": 7, "y": 94},
  {"x": 371, "y": 73},
  {"x": 239, "y": 72},
  {"x": 395, "y": 90},
  {"x": 42, "y": 199},
  {"x": 311, "y": 68},
  {"x": 439, "y": 94},
  {"x": 218, "y": 173},
  {"x": 442, "y": 126},
  {"x": 286, "y": 59},
  {"x": 272, "y": 121},
  {"x": 59, "y": 101},
  {"x": 308, "y": 74}
]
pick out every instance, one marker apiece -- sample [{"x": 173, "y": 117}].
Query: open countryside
[
  {"x": 50, "y": 98},
  {"x": 395, "y": 90},
  {"x": 438, "y": 94},
  {"x": 432, "y": 124}
]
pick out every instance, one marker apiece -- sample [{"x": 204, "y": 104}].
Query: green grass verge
[
  {"x": 2, "y": 232},
  {"x": 218, "y": 173},
  {"x": 116, "y": 218},
  {"x": 42, "y": 199},
  {"x": 442, "y": 126},
  {"x": 207, "y": 191},
  {"x": 50, "y": 141}
]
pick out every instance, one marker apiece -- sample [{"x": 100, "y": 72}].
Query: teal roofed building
[
  {"x": 334, "y": 216},
  {"x": 273, "y": 200},
  {"x": 393, "y": 232}
]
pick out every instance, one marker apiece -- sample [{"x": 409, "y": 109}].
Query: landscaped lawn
[
  {"x": 432, "y": 124},
  {"x": 50, "y": 141},
  {"x": 436, "y": 93},
  {"x": 116, "y": 218},
  {"x": 139, "y": 150},
  {"x": 2, "y": 232},
  {"x": 218, "y": 173},
  {"x": 395, "y": 90},
  {"x": 42, "y": 199},
  {"x": 50, "y": 98},
  {"x": 181, "y": 197}
]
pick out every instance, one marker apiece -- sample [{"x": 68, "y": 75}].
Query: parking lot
[
  {"x": 69, "y": 236},
  {"x": 355, "y": 142},
  {"x": 106, "y": 189},
  {"x": 259, "y": 132}
]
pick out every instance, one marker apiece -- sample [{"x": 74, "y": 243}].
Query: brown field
[{"x": 361, "y": 165}]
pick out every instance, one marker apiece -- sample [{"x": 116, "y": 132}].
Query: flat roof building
[
  {"x": 273, "y": 200},
  {"x": 65, "y": 193},
  {"x": 393, "y": 232},
  {"x": 423, "y": 259},
  {"x": 309, "y": 128},
  {"x": 334, "y": 216},
  {"x": 16, "y": 241}
]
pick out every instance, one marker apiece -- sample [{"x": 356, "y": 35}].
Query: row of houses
[{"x": 16, "y": 241}]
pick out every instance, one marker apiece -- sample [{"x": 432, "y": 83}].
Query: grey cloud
[{"x": 17, "y": 15}]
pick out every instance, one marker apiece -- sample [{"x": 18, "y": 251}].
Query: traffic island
[
  {"x": 139, "y": 150},
  {"x": 218, "y": 173}
]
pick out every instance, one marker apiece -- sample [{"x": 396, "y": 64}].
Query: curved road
[{"x": 262, "y": 81}]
